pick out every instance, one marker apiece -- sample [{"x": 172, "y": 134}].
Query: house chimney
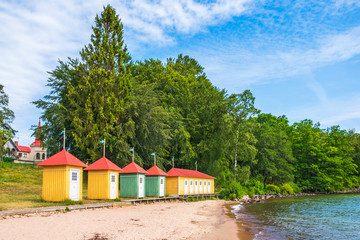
[{"x": 16, "y": 143}]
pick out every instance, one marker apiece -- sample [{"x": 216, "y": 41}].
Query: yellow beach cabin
[
  {"x": 62, "y": 177},
  {"x": 188, "y": 182},
  {"x": 103, "y": 179}
]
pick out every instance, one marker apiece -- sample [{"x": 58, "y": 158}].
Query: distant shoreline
[{"x": 258, "y": 198}]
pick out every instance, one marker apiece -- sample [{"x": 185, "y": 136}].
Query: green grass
[{"x": 20, "y": 187}]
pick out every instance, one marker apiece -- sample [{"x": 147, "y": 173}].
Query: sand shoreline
[{"x": 171, "y": 220}]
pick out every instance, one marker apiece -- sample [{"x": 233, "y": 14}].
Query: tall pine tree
[{"x": 97, "y": 101}]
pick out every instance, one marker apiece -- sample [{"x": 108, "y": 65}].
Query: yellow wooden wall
[
  {"x": 182, "y": 185},
  {"x": 171, "y": 185},
  {"x": 99, "y": 184},
  {"x": 56, "y": 183}
]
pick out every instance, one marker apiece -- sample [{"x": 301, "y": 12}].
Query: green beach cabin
[
  {"x": 132, "y": 181},
  {"x": 155, "y": 182}
]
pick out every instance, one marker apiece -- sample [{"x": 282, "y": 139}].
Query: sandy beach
[{"x": 170, "y": 220}]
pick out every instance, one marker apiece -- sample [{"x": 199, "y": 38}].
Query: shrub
[
  {"x": 295, "y": 187},
  {"x": 251, "y": 191},
  {"x": 286, "y": 189},
  {"x": 270, "y": 188}
]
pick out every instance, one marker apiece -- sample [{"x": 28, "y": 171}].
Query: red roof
[
  {"x": 133, "y": 168},
  {"x": 62, "y": 158},
  {"x": 174, "y": 172},
  {"x": 36, "y": 143},
  {"x": 155, "y": 171},
  {"x": 103, "y": 164},
  {"x": 23, "y": 148}
]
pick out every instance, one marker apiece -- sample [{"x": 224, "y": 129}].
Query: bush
[
  {"x": 286, "y": 189},
  {"x": 270, "y": 188},
  {"x": 232, "y": 191},
  {"x": 7, "y": 159},
  {"x": 295, "y": 187},
  {"x": 251, "y": 191}
]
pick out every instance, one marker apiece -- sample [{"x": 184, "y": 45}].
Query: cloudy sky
[{"x": 299, "y": 58}]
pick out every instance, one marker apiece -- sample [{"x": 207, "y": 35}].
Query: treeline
[{"x": 171, "y": 108}]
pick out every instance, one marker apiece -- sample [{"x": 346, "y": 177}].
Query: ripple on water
[{"x": 305, "y": 217}]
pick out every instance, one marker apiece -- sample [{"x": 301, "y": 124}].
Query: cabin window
[
  {"x": 195, "y": 183},
  {"x": 190, "y": 183},
  {"x": 162, "y": 181},
  {"x": 25, "y": 155},
  {"x": 20, "y": 154},
  {"x": 186, "y": 183},
  {"x": 74, "y": 176},
  {"x": 43, "y": 156},
  {"x": 112, "y": 178},
  {"x": 205, "y": 183},
  {"x": 200, "y": 183},
  {"x": 38, "y": 156},
  {"x": 140, "y": 180}
]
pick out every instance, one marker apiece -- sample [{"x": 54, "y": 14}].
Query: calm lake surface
[{"x": 308, "y": 217}]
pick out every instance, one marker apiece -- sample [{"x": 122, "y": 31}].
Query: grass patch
[{"x": 20, "y": 187}]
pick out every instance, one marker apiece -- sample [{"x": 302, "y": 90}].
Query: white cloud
[
  {"x": 156, "y": 21},
  {"x": 35, "y": 34},
  {"x": 237, "y": 66}
]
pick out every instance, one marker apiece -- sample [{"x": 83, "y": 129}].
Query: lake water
[{"x": 307, "y": 217}]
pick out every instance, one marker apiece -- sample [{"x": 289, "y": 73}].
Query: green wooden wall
[
  {"x": 152, "y": 186},
  {"x": 129, "y": 185}
]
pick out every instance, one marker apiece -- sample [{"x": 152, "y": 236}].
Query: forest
[{"x": 172, "y": 109}]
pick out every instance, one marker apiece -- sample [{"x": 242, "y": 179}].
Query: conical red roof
[
  {"x": 133, "y": 168},
  {"x": 155, "y": 171},
  {"x": 186, "y": 173},
  {"x": 62, "y": 158},
  {"x": 103, "y": 164}
]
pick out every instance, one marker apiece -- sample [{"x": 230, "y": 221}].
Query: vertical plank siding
[
  {"x": 56, "y": 183},
  {"x": 129, "y": 185},
  {"x": 152, "y": 188},
  {"x": 98, "y": 184},
  {"x": 171, "y": 185}
]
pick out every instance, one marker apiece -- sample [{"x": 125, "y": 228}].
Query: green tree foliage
[
  {"x": 152, "y": 132},
  {"x": 6, "y": 118},
  {"x": 323, "y": 158},
  {"x": 56, "y": 106},
  {"x": 274, "y": 157},
  {"x": 172, "y": 108},
  {"x": 241, "y": 129},
  {"x": 97, "y": 100},
  {"x": 194, "y": 106}
]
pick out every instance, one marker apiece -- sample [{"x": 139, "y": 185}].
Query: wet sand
[{"x": 171, "y": 220}]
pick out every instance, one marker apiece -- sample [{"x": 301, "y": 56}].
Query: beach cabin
[
  {"x": 188, "y": 182},
  {"x": 103, "y": 178},
  {"x": 62, "y": 177},
  {"x": 155, "y": 182},
  {"x": 132, "y": 181}
]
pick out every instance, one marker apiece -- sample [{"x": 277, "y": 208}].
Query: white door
[
  {"x": 186, "y": 186},
  {"x": 74, "y": 190},
  {"x": 205, "y": 188},
  {"x": 162, "y": 186},
  {"x": 113, "y": 185},
  {"x": 200, "y": 186},
  {"x": 141, "y": 186},
  {"x": 191, "y": 187},
  {"x": 209, "y": 186},
  {"x": 196, "y": 186}
]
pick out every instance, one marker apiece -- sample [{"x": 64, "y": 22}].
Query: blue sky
[{"x": 299, "y": 58}]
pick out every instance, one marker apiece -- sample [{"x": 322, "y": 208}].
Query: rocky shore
[{"x": 257, "y": 198}]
